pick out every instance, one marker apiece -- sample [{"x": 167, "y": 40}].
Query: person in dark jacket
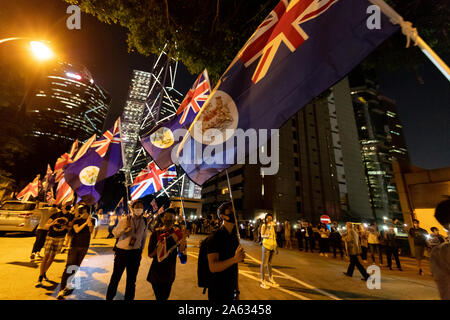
[
  {"x": 353, "y": 247},
  {"x": 419, "y": 236},
  {"x": 299, "y": 233},
  {"x": 309, "y": 237},
  {"x": 391, "y": 247},
  {"x": 336, "y": 241}
]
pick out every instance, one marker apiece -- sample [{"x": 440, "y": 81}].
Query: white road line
[
  {"x": 245, "y": 274},
  {"x": 332, "y": 296}
]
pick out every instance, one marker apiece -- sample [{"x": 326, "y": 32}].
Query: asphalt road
[{"x": 302, "y": 276}]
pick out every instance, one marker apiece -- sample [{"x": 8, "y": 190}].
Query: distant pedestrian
[
  {"x": 363, "y": 237},
  {"x": 287, "y": 234},
  {"x": 440, "y": 255},
  {"x": 96, "y": 216},
  {"x": 299, "y": 234},
  {"x": 309, "y": 237},
  {"x": 419, "y": 236},
  {"x": 164, "y": 245},
  {"x": 131, "y": 233},
  {"x": 41, "y": 232},
  {"x": 323, "y": 240},
  {"x": 373, "y": 239},
  {"x": 113, "y": 220},
  {"x": 435, "y": 238},
  {"x": 279, "y": 232},
  {"x": 81, "y": 235},
  {"x": 269, "y": 248},
  {"x": 336, "y": 241},
  {"x": 353, "y": 250},
  {"x": 391, "y": 247},
  {"x": 224, "y": 254}
]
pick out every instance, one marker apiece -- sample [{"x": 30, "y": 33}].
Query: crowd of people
[{"x": 75, "y": 226}]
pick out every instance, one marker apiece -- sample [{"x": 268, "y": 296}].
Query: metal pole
[
  {"x": 232, "y": 204},
  {"x": 181, "y": 199}
]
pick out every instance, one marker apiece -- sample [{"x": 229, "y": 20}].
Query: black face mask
[{"x": 230, "y": 218}]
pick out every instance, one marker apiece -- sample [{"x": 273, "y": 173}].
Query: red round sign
[{"x": 325, "y": 219}]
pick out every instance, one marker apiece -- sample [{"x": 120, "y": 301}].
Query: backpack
[{"x": 203, "y": 273}]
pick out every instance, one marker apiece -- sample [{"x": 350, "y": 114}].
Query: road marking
[
  {"x": 332, "y": 296},
  {"x": 245, "y": 274}
]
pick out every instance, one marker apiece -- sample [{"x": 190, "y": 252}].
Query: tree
[{"x": 210, "y": 33}]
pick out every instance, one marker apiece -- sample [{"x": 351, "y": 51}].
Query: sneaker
[
  {"x": 273, "y": 284},
  {"x": 264, "y": 285},
  {"x": 61, "y": 295},
  {"x": 346, "y": 274},
  {"x": 32, "y": 256},
  {"x": 45, "y": 277},
  {"x": 38, "y": 284},
  {"x": 38, "y": 255}
]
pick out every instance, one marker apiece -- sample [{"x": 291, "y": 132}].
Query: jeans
[
  {"x": 266, "y": 261},
  {"x": 162, "y": 290},
  {"x": 41, "y": 234},
  {"x": 74, "y": 258},
  {"x": 124, "y": 259},
  {"x": 392, "y": 251},
  {"x": 375, "y": 248},
  {"x": 355, "y": 262}
]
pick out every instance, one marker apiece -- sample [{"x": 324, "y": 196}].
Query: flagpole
[
  {"x": 124, "y": 161},
  {"x": 181, "y": 200},
  {"x": 232, "y": 204},
  {"x": 411, "y": 33}
]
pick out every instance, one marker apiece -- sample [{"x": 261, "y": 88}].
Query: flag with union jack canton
[
  {"x": 31, "y": 190},
  {"x": 151, "y": 179},
  {"x": 101, "y": 160},
  {"x": 301, "y": 49},
  {"x": 161, "y": 141}
]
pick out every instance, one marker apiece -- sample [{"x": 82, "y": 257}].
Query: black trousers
[
  {"x": 124, "y": 259},
  {"x": 74, "y": 260},
  {"x": 354, "y": 261},
  {"x": 310, "y": 241},
  {"x": 41, "y": 234},
  {"x": 162, "y": 290},
  {"x": 110, "y": 229},
  {"x": 364, "y": 253},
  {"x": 324, "y": 245},
  {"x": 392, "y": 251},
  {"x": 337, "y": 245},
  {"x": 300, "y": 243}
]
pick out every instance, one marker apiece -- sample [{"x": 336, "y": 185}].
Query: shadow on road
[{"x": 17, "y": 235}]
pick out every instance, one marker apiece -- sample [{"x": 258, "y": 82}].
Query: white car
[{"x": 16, "y": 216}]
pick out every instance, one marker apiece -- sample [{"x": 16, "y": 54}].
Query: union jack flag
[
  {"x": 102, "y": 144},
  {"x": 31, "y": 190},
  {"x": 167, "y": 242},
  {"x": 151, "y": 180},
  {"x": 196, "y": 97},
  {"x": 64, "y": 193},
  {"x": 84, "y": 148}
]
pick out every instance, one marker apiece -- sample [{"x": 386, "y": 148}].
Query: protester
[
  {"x": 287, "y": 234},
  {"x": 309, "y": 237},
  {"x": 435, "y": 238},
  {"x": 440, "y": 255},
  {"x": 58, "y": 226},
  {"x": 224, "y": 254},
  {"x": 419, "y": 236},
  {"x": 96, "y": 216},
  {"x": 113, "y": 220},
  {"x": 131, "y": 233},
  {"x": 74, "y": 212},
  {"x": 81, "y": 237},
  {"x": 363, "y": 237},
  {"x": 336, "y": 241},
  {"x": 41, "y": 232},
  {"x": 324, "y": 246},
  {"x": 391, "y": 247},
  {"x": 269, "y": 248},
  {"x": 353, "y": 248},
  {"x": 299, "y": 233},
  {"x": 373, "y": 239},
  {"x": 279, "y": 231},
  {"x": 164, "y": 245}
]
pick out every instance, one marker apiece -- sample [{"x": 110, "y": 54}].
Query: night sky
[{"x": 424, "y": 109}]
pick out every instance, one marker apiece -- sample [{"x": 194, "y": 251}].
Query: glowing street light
[{"x": 40, "y": 50}]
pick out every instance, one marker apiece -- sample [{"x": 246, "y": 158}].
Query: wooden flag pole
[
  {"x": 411, "y": 33},
  {"x": 232, "y": 204}
]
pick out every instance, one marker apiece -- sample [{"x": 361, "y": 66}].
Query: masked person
[
  {"x": 164, "y": 245},
  {"x": 131, "y": 233},
  {"x": 224, "y": 254},
  {"x": 81, "y": 236},
  {"x": 269, "y": 248}
]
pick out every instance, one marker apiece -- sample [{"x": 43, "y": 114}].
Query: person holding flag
[{"x": 151, "y": 180}]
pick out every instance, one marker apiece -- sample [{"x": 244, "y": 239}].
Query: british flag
[
  {"x": 102, "y": 144},
  {"x": 151, "y": 180},
  {"x": 167, "y": 242},
  {"x": 64, "y": 193},
  {"x": 195, "y": 98},
  {"x": 31, "y": 190}
]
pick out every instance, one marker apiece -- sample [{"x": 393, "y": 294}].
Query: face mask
[
  {"x": 230, "y": 217},
  {"x": 138, "y": 211}
]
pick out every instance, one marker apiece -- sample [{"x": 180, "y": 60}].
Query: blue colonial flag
[
  {"x": 301, "y": 49},
  {"x": 161, "y": 141},
  {"x": 102, "y": 160}
]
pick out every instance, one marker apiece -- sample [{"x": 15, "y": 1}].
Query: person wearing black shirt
[
  {"x": 420, "y": 242},
  {"x": 162, "y": 273},
  {"x": 58, "y": 226},
  {"x": 81, "y": 237},
  {"x": 224, "y": 254}
]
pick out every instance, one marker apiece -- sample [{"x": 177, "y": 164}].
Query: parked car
[{"x": 16, "y": 216}]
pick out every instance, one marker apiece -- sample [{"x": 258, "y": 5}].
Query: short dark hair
[
  {"x": 223, "y": 207},
  {"x": 135, "y": 202},
  {"x": 434, "y": 228},
  {"x": 67, "y": 207},
  {"x": 170, "y": 210},
  {"x": 442, "y": 212}
]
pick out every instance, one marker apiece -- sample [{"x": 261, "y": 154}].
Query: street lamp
[{"x": 41, "y": 51}]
